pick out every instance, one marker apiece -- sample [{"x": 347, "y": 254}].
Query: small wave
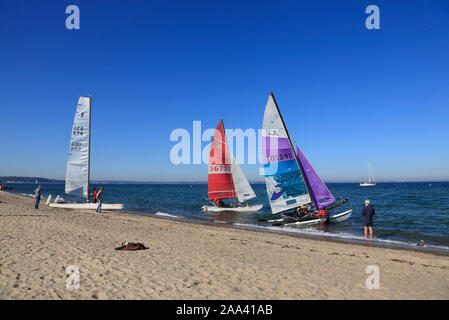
[
  {"x": 28, "y": 195},
  {"x": 220, "y": 221},
  {"x": 339, "y": 235},
  {"x": 164, "y": 214}
]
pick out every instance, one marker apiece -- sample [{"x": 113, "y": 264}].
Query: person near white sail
[
  {"x": 99, "y": 198},
  {"x": 94, "y": 195},
  {"x": 78, "y": 162}
]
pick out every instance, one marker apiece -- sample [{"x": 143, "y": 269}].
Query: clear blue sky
[{"x": 347, "y": 94}]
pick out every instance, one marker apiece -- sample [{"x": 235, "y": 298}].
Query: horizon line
[{"x": 201, "y": 182}]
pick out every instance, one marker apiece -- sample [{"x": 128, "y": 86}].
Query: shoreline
[
  {"x": 195, "y": 261},
  {"x": 330, "y": 238}
]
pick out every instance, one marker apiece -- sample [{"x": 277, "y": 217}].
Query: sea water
[{"x": 405, "y": 212}]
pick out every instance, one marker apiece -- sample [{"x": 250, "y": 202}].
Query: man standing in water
[
  {"x": 99, "y": 198},
  {"x": 37, "y": 195},
  {"x": 367, "y": 214}
]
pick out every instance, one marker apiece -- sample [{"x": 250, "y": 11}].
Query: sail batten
[
  {"x": 286, "y": 187},
  {"x": 77, "y": 174}
]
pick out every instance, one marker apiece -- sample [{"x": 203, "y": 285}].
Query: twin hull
[{"x": 88, "y": 206}]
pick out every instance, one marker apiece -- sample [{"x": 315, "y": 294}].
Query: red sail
[{"x": 221, "y": 185}]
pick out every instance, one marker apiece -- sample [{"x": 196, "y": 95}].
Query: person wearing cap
[{"x": 368, "y": 214}]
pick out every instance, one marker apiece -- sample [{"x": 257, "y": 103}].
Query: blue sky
[{"x": 347, "y": 94}]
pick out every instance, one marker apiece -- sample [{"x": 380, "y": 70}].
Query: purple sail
[{"x": 320, "y": 194}]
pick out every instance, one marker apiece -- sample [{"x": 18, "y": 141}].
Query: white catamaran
[
  {"x": 290, "y": 179},
  {"x": 226, "y": 179},
  {"x": 78, "y": 163},
  {"x": 371, "y": 179}
]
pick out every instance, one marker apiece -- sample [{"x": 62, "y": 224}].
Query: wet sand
[{"x": 194, "y": 261}]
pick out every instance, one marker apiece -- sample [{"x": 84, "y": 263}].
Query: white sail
[
  {"x": 286, "y": 187},
  {"x": 242, "y": 187},
  {"x": 371, "y": 179},
  {"x": 77, "y": 175},
  {"x": 371, "y": 174}
]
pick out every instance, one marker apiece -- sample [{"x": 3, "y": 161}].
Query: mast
[
  {"x": 291, "y": 145},
  {"x": 371, "y": 173},
  {"x": 88, "y": 150}
]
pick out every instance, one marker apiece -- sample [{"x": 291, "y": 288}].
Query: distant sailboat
[
  {"x": 371, "y": 179},
  {"x": 290, "y": 179},
  {"x": 226, "y": 179},
  {"x": 78, "y": 163}
]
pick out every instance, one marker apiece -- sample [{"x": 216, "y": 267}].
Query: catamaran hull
[
  {"x": 254, "y": 208},
  {"x": 367, "y": 184},
  {"x": 333, "y": 219},
  {"x": 87, "y": 206}
]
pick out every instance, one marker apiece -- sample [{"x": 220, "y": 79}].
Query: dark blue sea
[{"x": 405, "y": 212}]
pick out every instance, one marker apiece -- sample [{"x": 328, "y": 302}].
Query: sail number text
[
  {"x": 219, "y": 168},
  {"x": 279, "y": 157}
]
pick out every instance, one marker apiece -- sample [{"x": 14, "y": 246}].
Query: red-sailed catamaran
[
  {"x": 226, "y": 179},
  {"x": 294, "y": 188}
]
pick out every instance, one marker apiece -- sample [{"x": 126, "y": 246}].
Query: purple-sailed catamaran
[{"x": 291, "y": 181}]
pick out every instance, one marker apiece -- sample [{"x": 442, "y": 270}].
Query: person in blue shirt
[
  {"x": 368, "y": 214},
  {"x": 37, "y": 196}
]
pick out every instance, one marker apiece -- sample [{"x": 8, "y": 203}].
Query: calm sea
[{"x": 405, "y": 212}]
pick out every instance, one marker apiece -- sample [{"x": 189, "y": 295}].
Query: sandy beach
[{"x": 194, "y": 261}]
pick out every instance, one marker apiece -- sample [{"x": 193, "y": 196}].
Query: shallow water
[{"x": 405, "y": 212}]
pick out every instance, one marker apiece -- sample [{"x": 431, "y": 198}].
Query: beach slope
[{"x": 194, "y": 261}]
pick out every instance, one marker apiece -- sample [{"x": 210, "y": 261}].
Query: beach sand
[{"x": 194, "y": 261}]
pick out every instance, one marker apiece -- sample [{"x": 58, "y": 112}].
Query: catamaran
[
  {"x": 371, "y": 179},
  {"x": 226, "y": 179},
  {"x": 292, "y": 183},
  {"x": 78, "y": 163}
]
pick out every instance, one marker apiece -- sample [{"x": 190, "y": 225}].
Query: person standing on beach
[
  {"x": 37, "y": 195},
  {"x": 368, "y": 214},
  {"x": 99, "y": 198},
  {"x": 94, "y": 196}
]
